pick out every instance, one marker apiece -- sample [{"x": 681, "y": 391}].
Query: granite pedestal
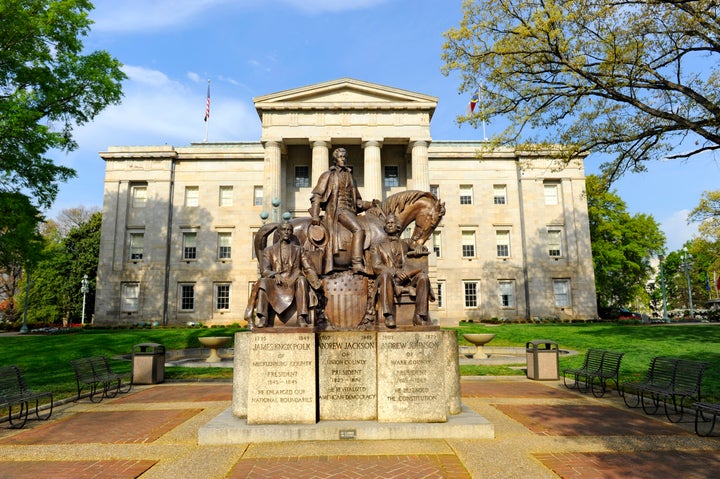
[{"x": 345, "y": 385}]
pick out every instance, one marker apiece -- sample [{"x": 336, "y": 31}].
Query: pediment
[{"x": 345, "y": 93}]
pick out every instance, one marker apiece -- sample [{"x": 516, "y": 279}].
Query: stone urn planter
[
  {"x": 214, "y": 343},
  {"x": 479, "y": 340}
]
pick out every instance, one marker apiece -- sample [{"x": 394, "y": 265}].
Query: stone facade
[{"x": 178, "y": 222}]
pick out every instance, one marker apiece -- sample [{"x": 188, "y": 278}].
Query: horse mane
[{"x": 397, "y": 202}]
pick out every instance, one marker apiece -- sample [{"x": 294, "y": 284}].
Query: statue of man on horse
[
  {"x": 336, "y": 193},
  {"x": 338, "y": 242}
]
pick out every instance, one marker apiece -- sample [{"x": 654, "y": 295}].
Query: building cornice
[{"x": 345, "y": 94}]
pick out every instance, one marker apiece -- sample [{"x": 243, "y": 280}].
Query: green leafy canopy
[
  {"x": 707, "y": 215},
  {"x": 630, "y": 79},
  {"x": 48, "y": 85},
  {"x": 622, "y": 245}
]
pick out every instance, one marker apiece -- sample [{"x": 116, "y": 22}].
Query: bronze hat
[{"x": 317, "y": 233}]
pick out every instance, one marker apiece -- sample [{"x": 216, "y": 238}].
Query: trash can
[
  {"x": 542, "y": 359},
  {"x": 148, "y": 363}
]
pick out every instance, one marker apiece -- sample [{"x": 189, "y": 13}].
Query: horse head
[{"x": 421, "y": 207}]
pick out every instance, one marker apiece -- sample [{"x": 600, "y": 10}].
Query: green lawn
[
  {"x": 640, "y": 343},
  {"x": 45, "y": 359}
]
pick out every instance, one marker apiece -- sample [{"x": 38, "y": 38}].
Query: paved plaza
[{"x": 542, "y": 430}]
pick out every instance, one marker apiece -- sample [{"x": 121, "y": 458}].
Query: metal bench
[
  {"x": 599, "y": 368},
  {"x": 705, "y": 417},
  {"x": 609, "y": 372},
  {"x": 582, "y": 376},
  {"x": 14, "y": 392},
  {"x": 118, "y": 382},
  {"x": 670, "y": 381},
  {"x": 95, "y": 375}
]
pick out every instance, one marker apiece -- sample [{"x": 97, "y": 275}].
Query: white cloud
[
  {"x": 149, "y": 15},
  {"x": 157, "y": 109},
  {"x": 323, "y": 6},
  {"x": 266, "y": 64},
  {"x": 229, "y": 80},
  {"x": 194, "y": 77},
  {"x": 146, "y": 76},
  {"x": 677, "y": 230},
  {"x": 140, "y": 15}
]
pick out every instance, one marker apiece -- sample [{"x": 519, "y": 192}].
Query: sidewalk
[{"x": 542, "y": 430}]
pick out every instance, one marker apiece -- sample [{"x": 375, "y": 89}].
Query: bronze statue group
[{"x": 354, "y": 237}]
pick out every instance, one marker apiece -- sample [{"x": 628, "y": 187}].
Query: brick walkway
[
  {"x": 74, "y": 469},
  {"x": 587, "y": 420},
  {"x": 647, "y": 464},
  {"x": 542, "y": 431},
  {"x": 361, "y": 467}
]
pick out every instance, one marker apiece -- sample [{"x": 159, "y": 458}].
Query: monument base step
[{"x": 229, "y": 429}]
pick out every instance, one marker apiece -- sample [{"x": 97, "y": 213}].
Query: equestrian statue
[{"x": 338, "y": 245}]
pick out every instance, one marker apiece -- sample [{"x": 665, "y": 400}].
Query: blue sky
[{"x": 249, "y": 48}]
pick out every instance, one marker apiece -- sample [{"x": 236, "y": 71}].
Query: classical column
[
  {"x": 320, "y": 158},
  {"x": 271, "y": 185},
  {"x": 420, "y": 169},
  {"x": 373, "y": 173}
]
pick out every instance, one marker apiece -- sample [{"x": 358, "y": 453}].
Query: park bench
[
  {"x": 599, "y": 368},
  {"x": 705, "y": 417},
  {"x": 123, "y": 380},
  {"x": 669, "y": 381},
  {"x": 14, "y": 392},
  {"x": 591, "y": 366},
  {"x": 96, "y": 375}
]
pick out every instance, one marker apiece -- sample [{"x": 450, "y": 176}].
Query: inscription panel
[
  {"x": 281, "y": 379},
  {"x": 347, "y": 375},
  {"x": 410, "y": 379},
  {"x": 241, "y": 357}
]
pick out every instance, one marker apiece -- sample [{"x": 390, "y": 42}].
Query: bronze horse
[{"x": 421, "y": 207}]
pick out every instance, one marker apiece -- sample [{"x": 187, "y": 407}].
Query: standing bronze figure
[
  {"x": 337, "y": 194},
  {"x": 367, "y": 273}
]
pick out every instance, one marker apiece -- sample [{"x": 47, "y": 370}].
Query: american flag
[{"x": 207, "y": 103}]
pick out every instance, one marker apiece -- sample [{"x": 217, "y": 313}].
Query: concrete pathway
[{"x": 542, "y": 430}]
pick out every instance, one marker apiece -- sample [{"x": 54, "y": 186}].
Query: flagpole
[
  {"x": 207, "y": 112},
  {"x": 482, "y": 106},
  {"x": 707, "y": 284},
  {"x": 474, "y": 100}
]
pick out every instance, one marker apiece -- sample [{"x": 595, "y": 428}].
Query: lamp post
[
  {"x": 662, "y": 283},
  {"x": 275, "y": 204},
  {"x": 24, "y": 327},
  {"x": 686, "y": 265},
  {"x": 84, "y": 289}
]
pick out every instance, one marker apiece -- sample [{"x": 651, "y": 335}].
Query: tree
[
  {"x": 20, "y": 246},
  {"x": 705, "y": 261},
  {"x": 628, "y": 78},
  {"x": 622, "y": 246},
  {"x": 707, "y": 214},
  {"x": 55, "y": 294},
  {"x": 675, "y": 284},
  {"x": 76, "y": 217},
  {"x": 47, "y": 87},
  {"x": 49, "y": 301}
]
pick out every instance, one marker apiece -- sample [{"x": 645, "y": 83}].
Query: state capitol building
[{"x": 178, "y": 222}]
